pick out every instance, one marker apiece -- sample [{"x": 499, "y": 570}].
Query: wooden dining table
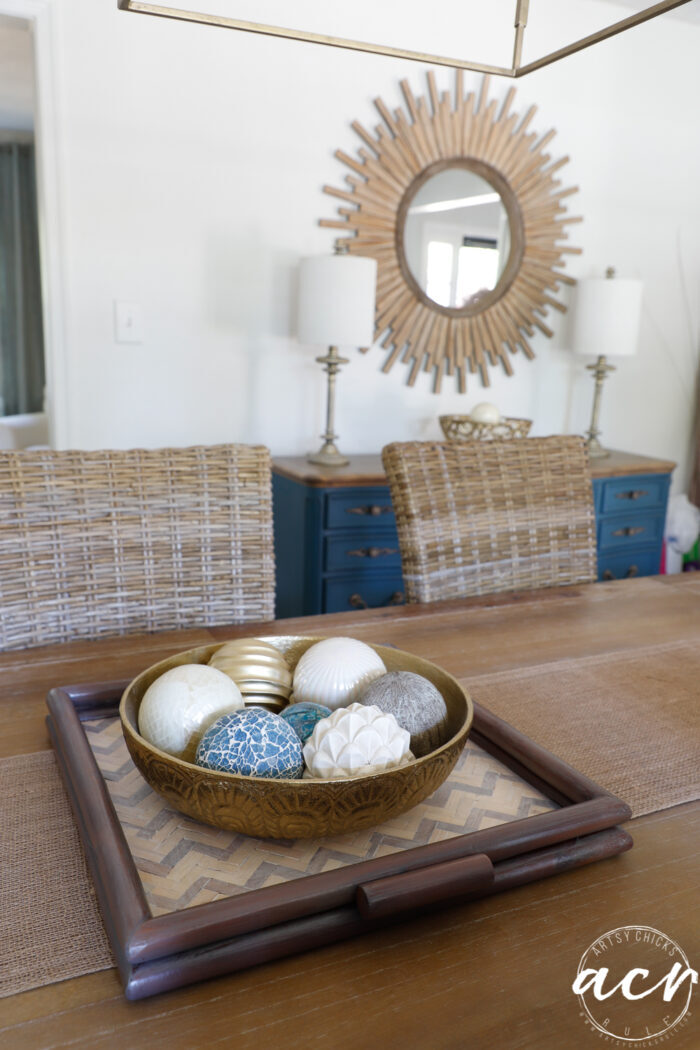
[{"x": 496, "y": 972}]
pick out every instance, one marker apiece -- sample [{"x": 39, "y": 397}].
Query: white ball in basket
[
  {"x": 335, "y": 671},
  {"x": 180, "y": 705},
  {"x": 356, "y": 741},
  {"x": 485, "y": 412}
]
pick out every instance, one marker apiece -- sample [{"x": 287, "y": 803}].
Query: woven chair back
[
  {"x": 113, "y": 542},
  {"x": 481, "y": 517}
]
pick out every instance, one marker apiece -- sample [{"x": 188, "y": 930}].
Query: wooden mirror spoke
[{"x": 427, "y": 136}]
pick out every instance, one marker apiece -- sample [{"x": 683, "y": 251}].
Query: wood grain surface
[
  {"x": 493, "y": 973},
  {"x": 366, "y": 469}
]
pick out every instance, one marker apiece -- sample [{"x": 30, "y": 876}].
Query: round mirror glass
[{"x": 456, "y": 238}]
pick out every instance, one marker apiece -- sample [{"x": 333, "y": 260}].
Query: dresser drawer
[
  {"x": 363, "y": 591},
  {"x": 622, "y": 495},
  {"x": 359, "y": 507},
  {"x": 369, "y": 550},
  {"x": 620, "y": 565},
  {"x": 630, "y": 530}
]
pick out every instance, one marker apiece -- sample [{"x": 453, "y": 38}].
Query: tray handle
[{"x": 411, "y": 890}]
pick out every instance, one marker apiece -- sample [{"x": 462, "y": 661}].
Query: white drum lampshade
[
  {"x": 336, "y": 300},
  {"x": 606, "y": 324},
  {"x": 336, "y": 308},
  {"x": 607, "y": 316}
]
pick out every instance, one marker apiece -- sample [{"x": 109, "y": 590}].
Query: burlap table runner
[
  {"x": 50, "y": 925},
  {"x": 628, "y": 720},
  {"x": 637, "y": 734}
]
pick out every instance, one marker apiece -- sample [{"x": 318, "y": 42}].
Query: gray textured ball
[{"x": 416, "y": 705}]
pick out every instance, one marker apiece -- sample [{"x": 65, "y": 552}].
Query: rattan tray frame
[{"x": 159, "y": 953}]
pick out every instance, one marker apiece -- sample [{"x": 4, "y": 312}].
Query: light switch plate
[{"x": 128, "y": 322}]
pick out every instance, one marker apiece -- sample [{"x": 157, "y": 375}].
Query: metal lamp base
[
  {"x": 328, "y": 455},
  {"x": 600, "y": 370},
  {"x": 596, "y": 450}
]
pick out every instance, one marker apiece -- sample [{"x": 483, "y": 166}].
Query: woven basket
[
  {"x": 113, "y": 542},
  {"x": 463, "y": 428}
]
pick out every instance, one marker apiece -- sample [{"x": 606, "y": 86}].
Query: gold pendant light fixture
[{"x": 517, "y": 69}]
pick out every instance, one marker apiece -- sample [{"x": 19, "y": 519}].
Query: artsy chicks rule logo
[{"x": 634, "y": 985}]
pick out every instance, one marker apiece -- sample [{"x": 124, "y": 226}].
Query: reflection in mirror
[{"x": 456, "y": 238}]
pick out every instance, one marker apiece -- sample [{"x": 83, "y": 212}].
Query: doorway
[
  {"x": 37, "y": 20},
  {"x": 23, "y": 421}
]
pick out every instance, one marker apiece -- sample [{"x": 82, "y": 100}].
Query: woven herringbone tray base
[{"x": 182, "y": 863}]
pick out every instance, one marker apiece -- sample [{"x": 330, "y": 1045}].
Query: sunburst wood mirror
[{"x": 460, "y": 206}]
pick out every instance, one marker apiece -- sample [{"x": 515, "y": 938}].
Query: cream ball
[
  {"x": 334, "y": 671},
  {"x": 182, "y": 703},
  {"x": 485, "y": 412}
]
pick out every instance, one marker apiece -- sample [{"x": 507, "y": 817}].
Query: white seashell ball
[
  {"x": 180, "y": 705},
  {"x": 485, "y": 412},
  {"x": 355, "y": 741},
  {"x": 335, "y": 671}
]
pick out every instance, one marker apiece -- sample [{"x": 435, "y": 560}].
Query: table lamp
[
  {"x": 606, "y": 323},
  {"x": 336, "y": 308}
]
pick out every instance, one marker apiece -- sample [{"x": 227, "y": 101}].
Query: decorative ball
[
  {"x": 416, "y": 705},
  {"x": 253, "y": 742},
  {"x": 355, "y": 741},
  {"x": 182, "y": 703},
  {"x": 333, "y": 672},
  {"x": 303, "y": 718},
  {"x": 257, "y": 668},
  {"x": 270, "y": 703},
  {"x": 485, "y": 412}
]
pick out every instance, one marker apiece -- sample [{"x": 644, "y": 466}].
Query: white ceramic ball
[
  {"x": 335, "y": 671},
  {"x": 485, "y": 412},
  {"x": 182, "y": 703}
]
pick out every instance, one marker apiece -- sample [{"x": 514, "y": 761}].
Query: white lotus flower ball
[
  {"x": 334, "y": 672},
  {"x": 182, "y": 703},
  {"x": 356, "y": 741}
]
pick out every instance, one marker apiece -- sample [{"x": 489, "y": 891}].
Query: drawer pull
[
  {"x": 629, "y": 531},
  {"x": 629, "y": 575},
  {"x": 372, "y": 552},
  {"x": 632, "y": 494},
  {"x": 358, "y": 602},
  {"x": 373, "y": 510}
]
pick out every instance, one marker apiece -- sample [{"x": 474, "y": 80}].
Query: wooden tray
[{"x": 156, "y": 953}]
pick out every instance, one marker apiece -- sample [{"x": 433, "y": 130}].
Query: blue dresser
[
  {"x": 337, "y": 549},
  {"x": 631, "y": 495}
]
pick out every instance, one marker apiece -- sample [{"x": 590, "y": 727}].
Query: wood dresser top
[{"x": 368, "y": 470}]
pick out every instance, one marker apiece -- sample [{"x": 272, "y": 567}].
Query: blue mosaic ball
[
  {"x": 253, "y": 742},
  {"x": 303, "y": 717}
]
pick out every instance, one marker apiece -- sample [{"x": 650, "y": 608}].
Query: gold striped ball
[{"x": 257, "y": 668}]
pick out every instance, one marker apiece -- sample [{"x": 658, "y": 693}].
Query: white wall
[{"x": 190, "y": 168}]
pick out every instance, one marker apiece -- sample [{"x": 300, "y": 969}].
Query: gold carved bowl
[
  {"x": 293, "y": 809},
  {"x": 463, "y": 428}
]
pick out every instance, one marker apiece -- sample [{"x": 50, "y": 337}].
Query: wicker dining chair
[
  {"x": 481, "y": 517},
  {"x": 113, "y": 542}
]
